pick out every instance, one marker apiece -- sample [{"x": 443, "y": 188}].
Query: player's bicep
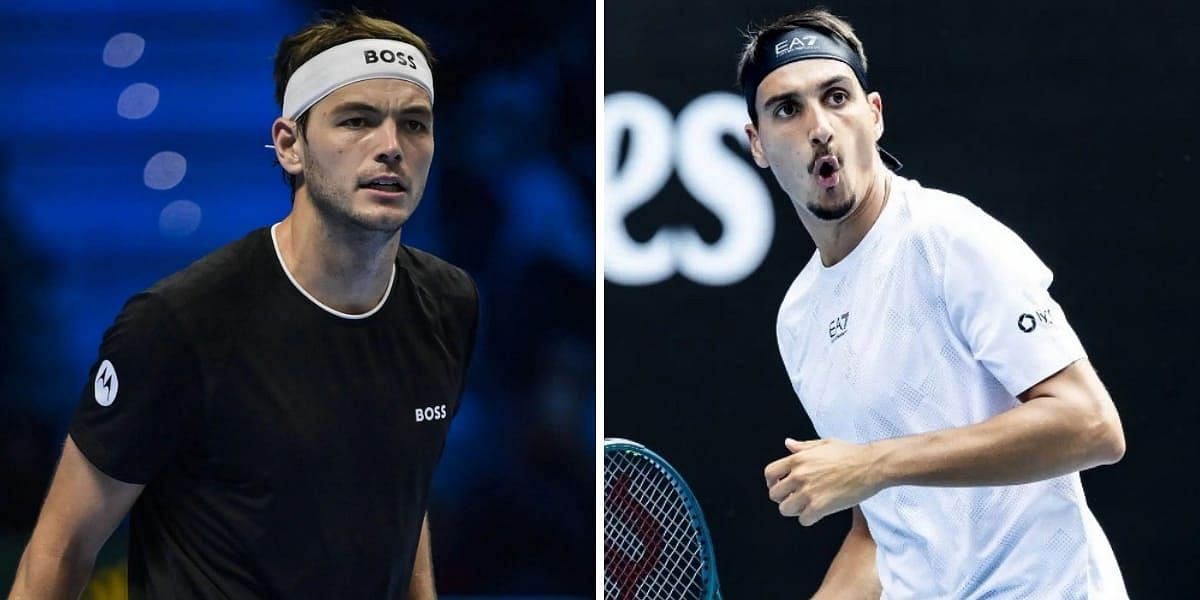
[
  {"x": 1077, "y": 381},
  {"x": 82, "y": 508},
  {"x": 1078, "y": 388}
]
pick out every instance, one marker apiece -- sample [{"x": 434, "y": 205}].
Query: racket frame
[{"x": 622, "y": 445}]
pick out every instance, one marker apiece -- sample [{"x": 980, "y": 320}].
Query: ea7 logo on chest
[
  {"x": 1027, "y": 322},
  {"x": 838, "y": 326},
  {"x": 431, "y": 413}
]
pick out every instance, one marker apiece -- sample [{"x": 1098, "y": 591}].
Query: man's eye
[
  {"x": 354, "y": 122},
  {"x": 416, "y": 126},
  {"x": 838, "y": 97},
  {"x": 785, "y": 109}
]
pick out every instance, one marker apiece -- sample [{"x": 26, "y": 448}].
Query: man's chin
[
  {"x": 834, "y": 212},
  {"x": 386, "y": 221},
  {"x": 379, "y": 219}
]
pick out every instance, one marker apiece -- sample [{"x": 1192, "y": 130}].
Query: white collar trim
[{"x": 332, "y": 311}]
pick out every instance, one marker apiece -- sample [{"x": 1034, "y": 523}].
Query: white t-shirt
[{"x": 939, "y": 318}]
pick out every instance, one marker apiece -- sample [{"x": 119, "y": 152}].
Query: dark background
[
  {"x": 87, "y": 219},
  {"x": 1073, "y": 123}
]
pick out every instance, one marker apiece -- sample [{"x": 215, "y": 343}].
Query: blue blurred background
[{"x": 131, "y": 144}]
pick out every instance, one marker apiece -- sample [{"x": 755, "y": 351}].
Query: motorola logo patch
[{"x": 105, "y": 385}]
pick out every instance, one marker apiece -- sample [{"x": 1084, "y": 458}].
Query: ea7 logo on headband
[
  {"x": 800, "y": 41},
  {"x": 388, "y": 56}
]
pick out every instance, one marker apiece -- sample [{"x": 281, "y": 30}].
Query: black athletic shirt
[{"x": 286, "y": 451}]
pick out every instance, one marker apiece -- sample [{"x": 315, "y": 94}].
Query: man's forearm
[
  {"x": 45, "y": 575},
  {"x": 421, "y": 586},
  {"x": 1066, "y": 423},
  {"x": 1042, "y": 438},
  {"x": 852, "y": 575}
]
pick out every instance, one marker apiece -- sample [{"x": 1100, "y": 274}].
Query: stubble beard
[
  {"x": 336, "y": 208},
  {"x": 831, "y": 213}
]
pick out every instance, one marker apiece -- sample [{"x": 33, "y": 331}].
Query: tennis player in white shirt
[{"x": 955, "y": 404}]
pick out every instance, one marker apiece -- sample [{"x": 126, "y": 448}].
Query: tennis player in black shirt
[{"x": 271, "y": 416}]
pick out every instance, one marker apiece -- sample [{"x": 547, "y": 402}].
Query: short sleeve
[
  {"x": 468, "y": 318},
  {"x": 142, "y": 396},
  {"x": 997, "y": 295}
]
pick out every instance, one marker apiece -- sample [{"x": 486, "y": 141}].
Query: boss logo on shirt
[
  {"x": 431, "y": 413},
  {"x": 837, "y": 327},
  {"x": 1028, "y": 322}
]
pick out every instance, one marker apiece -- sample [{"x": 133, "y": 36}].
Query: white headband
[{"x": 352, "y": 62}]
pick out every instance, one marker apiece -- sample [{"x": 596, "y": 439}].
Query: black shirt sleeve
[
  {"x": 144, "y": 393},
  {"x": 471, "y": 311},
  {"x": 465, "y": 326}
]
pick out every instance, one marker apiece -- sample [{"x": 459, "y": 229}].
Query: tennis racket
[{"x": 656, "y": 544}]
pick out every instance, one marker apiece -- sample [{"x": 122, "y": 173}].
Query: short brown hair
[
  {"x": 818, "y": 18},
  {"x": 333, "y": 29}
]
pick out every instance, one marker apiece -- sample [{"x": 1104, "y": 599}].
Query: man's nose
[
  {"x": 390, "y": 152},
  {"x": 821, "y": 133}
]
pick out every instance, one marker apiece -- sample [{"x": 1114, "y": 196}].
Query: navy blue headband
[
  {"x": 790, "y": 46},
  {"x": 797, "y": 44}
]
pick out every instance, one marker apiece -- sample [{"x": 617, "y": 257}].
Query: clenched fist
[{"x": 822, "y": 477}]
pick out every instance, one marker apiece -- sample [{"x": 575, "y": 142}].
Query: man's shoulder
[
  {"x": 804, "y": 280},
  {"x": 936, "y": 212},
  {"x": 949, "y": 222},
  {"x": 436, "y": 275},
  {"x": 217, "y": 279},
  {"x": 798, "y": 292}
]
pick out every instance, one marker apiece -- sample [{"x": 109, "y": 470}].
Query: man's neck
[
  {"x": 344, "y": 268},
  {"x": 836, "y": 240}
]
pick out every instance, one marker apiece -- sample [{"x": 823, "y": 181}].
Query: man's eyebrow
[
  {"x": 419, "y": 110},
  {"x": 353, "y": 106},
  {"x": 834, "y": 81}
]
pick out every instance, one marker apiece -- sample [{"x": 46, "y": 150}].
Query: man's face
[
  {"x": 817, "y": 132},
  {"x": 368, "y": 150}
]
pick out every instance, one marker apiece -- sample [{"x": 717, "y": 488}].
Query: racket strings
[
  {"x": 642, "y": 526},
  {"x": 653, "y": 549}
]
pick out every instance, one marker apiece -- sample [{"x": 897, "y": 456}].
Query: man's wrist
[{"x": 882, "y": 465}]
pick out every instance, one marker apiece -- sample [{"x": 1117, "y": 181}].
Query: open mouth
[
  {"x": 826, "y": 169},
  {"x": 389, "y": 184}
]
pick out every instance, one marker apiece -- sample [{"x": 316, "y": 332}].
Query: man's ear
[
  {"x": 876, "y": 102},
  {"x": 288, "y": 149},
  {"x": 756, "y": 149}
]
